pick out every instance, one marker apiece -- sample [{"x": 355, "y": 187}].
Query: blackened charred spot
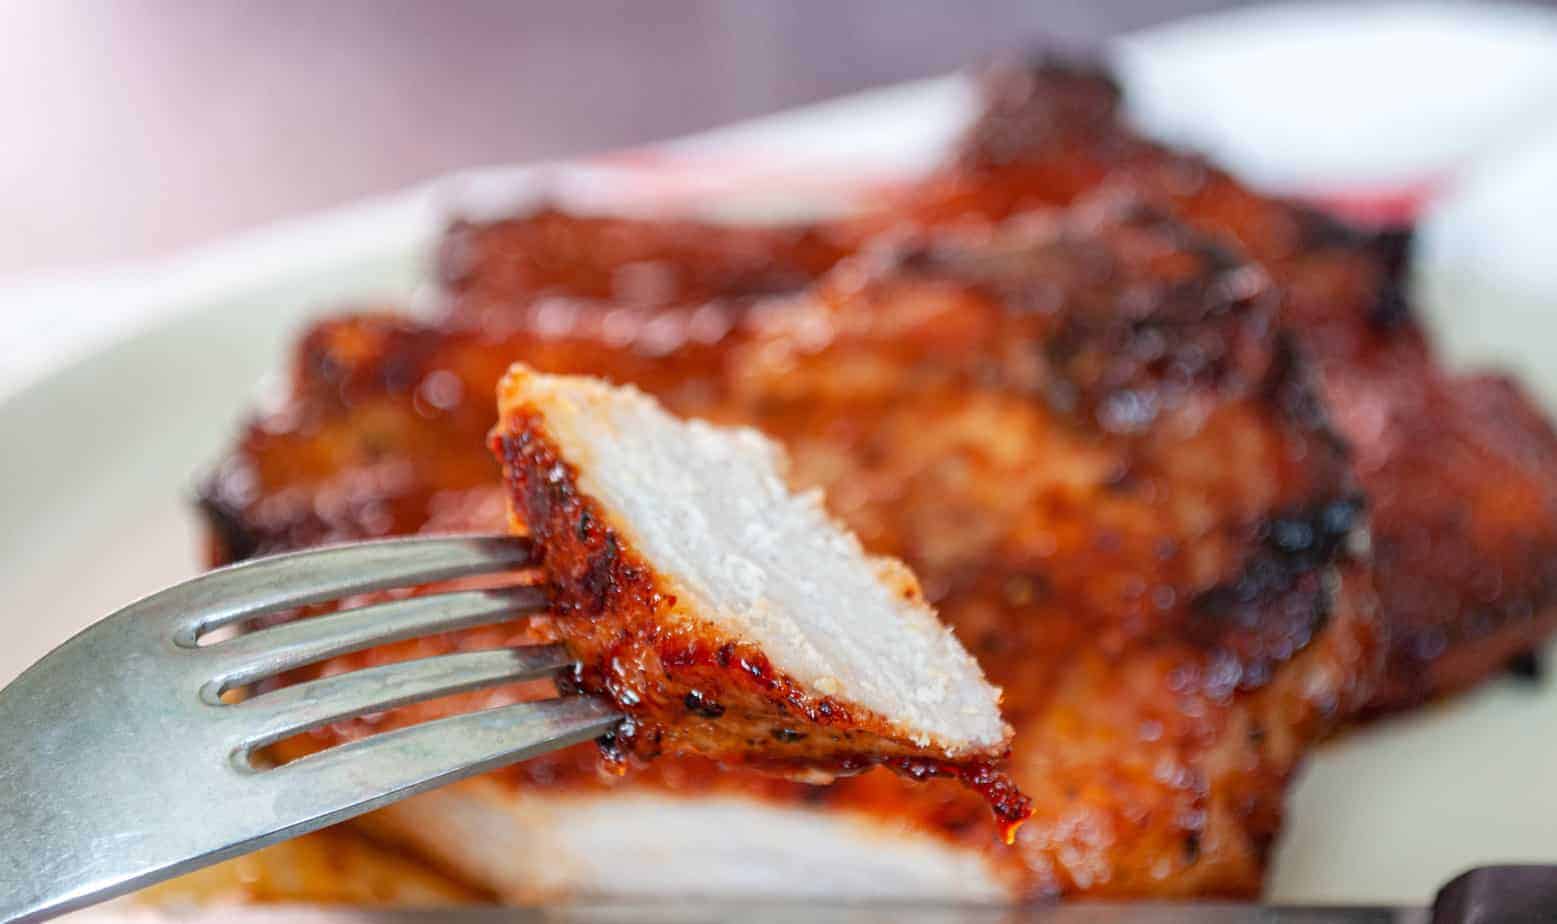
[
  {"x": 1130, "y": 354},
  {"x": 993, "y": 643},
  {"x": 1393, "y": 247},
  {"x": 787, "y": 735},
  {"x": 629, "y": 739},
  {"x": 612, "y": 744},
  {"x": 598, "y": 578},
  {"x": 1192, "y": 847},
  {"x": 1224, "y": 266},
  {"x": 816, "y": 795},
  {"x": 228, "y": 525},
  {"x": 571, "y": 681},
  {"x": 724, "y": 655},
  {"x": 700, "y": 704},
  {"x": 542, "y": 496},
  {"x": 1058, "y": 67},
  {"x": 1314, "y": 537},
  {"x": 1390, "y": 310},
  {"x": 365, "y": 357},
  {"x": 1527, "y": 667},
  {"x": 548, "y": 492},
  {"x": 1291, "y": 388},
  {"x": 400, "y": 372},
  {"x": 1319, "y": 230},
  {"x": 758, "y": 669},
  {"x": 1280, "y": 601},
  {"x": 1390, "y": 248},
  {"x": 916, "y": 257}
]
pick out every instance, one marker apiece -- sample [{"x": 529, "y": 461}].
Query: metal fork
[{"x": 122, "y": 765}]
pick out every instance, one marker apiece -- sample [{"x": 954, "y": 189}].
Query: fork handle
[{"x": 85, "y": 806}]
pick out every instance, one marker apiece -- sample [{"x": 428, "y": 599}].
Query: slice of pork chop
[{"x": 726, "y": 615}]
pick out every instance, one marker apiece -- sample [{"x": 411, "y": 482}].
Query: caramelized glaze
[
  {"x": 1086, "y": 434},
  {"x": 1460, "y": 470}
]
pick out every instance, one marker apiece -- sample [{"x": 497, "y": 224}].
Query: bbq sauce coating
[
  {"x": 632, "y": 264},
  {"x": 1460, "y": 470},
  {"x": 1153, "y": 542},
  {"x": 1105, "y": 517},
  {"x": 688, "y": 687}
]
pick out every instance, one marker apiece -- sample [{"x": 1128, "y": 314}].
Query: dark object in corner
[
  {"x": 1527, "y": 667},
  {"x": 1499, "y": 895}
]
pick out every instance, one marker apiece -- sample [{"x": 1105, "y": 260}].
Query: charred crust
[
  {"x": 1393, "y": 248},
  {"x": 1191, "y": 847},
  {"x": 1290, "y": 387},
  {"x": 1280, "y": 601},
  {"x": 1391, "y": 309},
  {"x": 364, "y": 357},
  {"x": 1527, "y": 667},
  {"x": 1315, "y": 537},
  {"x": 600, "y": 577},
  {"x": 1133, "y": 308},
  {"x": 1318, "y": 230},
  {"x": 701, "y": 704},
  {"x": 231, "y": 537}
]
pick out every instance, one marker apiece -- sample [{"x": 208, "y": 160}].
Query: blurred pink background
[{"x": 138, "y": 127}]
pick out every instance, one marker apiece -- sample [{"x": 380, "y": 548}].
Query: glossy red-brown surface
[
  {"x": 492, "y": 270},
  {"x": 1087, "y": 436},
  {"x": 686, "y": 686},
  {"x": 385, "y": 431},
  {"x": 1460, "y": 471}
]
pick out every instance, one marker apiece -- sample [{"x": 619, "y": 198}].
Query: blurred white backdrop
[{"x": 134, "y": 127}]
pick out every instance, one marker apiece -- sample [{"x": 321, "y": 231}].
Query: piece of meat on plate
[
  {"x": 1460, "y": 470},
  {"x": 1087, "y": 436},
  {"x": 727, "y": 616}
]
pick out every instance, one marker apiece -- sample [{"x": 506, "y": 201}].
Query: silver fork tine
[
  {"x": 270, "y": 717},
  {"x": 269, "y": 585},
  {"x": 267, "y": 652},
  {"x": 119, "y": 766},
  {"x": 362, "y": 775}
]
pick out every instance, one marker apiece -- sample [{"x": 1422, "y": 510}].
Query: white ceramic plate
[{"x": 100, "y": 455}]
